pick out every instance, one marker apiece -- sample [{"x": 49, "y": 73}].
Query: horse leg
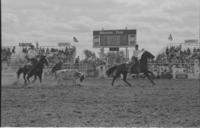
[
  {"x": 24, "y": 76},
  {"x": 153, "y": 76},
  {"x": 35, "y": 78},
  {"x": 124, "y": 79},
  {"x": 114, "y": 78},
  {"x": 28, "y": 77},
  {"x": 55, "y": 76},
  {"x": 40, "y": 77},
  {"x": 146, "y": 74},
  {"x": 77, "y": 82}
]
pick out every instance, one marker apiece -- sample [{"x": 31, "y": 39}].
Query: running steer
[{"x": 69, "y": 74}]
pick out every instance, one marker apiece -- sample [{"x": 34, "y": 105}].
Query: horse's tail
[
  {"x": 111, "y": 70},
  {"x": 19, "y": 71}
]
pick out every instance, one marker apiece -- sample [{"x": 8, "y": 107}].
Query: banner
[
  {"x": 25, "y": 44},
  {"x": 181, "y": 76},
  {"x": 64, "y": 44},
  {"x": 191, "y": 42}
]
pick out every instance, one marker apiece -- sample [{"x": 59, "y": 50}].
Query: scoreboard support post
[
  {"x": 199, "y": 79},
  {"x": 127, "y": 55},
  {"x": 102, "y": 52}
]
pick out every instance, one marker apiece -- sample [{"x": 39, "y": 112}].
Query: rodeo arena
[{"x": 53, "y": 86}]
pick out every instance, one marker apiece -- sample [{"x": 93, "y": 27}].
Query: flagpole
[
  {"x": 199, "y": 23},
  {"x": 199, "y": 47},
  {"x": 75, "y": 43}
]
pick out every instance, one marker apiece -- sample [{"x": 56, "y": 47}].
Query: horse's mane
[{"x": 144, "y": 53}]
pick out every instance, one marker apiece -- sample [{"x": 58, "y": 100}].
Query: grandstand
[{"x": 178, "y": 59}]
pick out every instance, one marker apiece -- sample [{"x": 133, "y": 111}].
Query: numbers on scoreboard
[
  {"x": 96, "y": 41},
  {"x": 113, "y": 40}
]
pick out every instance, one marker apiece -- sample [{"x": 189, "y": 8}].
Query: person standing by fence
[{"x": 77, "y": 61}]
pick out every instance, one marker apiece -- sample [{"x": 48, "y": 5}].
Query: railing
[{"x": 188, "y": 70}]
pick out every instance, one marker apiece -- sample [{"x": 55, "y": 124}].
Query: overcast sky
[{"x": 53, "y": 21}]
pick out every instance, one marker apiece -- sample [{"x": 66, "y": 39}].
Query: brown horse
[{"x": 123, "y": 69}]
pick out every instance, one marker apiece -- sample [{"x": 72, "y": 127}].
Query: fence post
[{"x": 199, "y": 78}]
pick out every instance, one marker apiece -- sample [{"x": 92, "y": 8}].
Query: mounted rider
[
  {"x": 32, "y": 56},
  {"x": 136, "y": 54},
  {"x": 136, "y": 57}
]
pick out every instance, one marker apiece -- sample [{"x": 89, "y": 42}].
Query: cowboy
[
  {"x": 32, "y": 52},
  {"x": 136, "y": 56}
]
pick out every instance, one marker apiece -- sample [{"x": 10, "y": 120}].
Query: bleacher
[{"x": 179, "y": 57}]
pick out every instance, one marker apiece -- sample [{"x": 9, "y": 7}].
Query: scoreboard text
[{"x": 114, "y": 38}]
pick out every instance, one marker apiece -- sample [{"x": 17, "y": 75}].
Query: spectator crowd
[
  {"x": 53, "y": 54},
  {"x": 175, "y": 55},
  {"x": 6, "y": 53}
]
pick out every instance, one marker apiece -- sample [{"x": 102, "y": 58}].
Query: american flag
[
  {"x": 75, "y": 39},
  {"x": 170, "y": 37}
]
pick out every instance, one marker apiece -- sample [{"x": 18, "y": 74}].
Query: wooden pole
[
  {"x": 199, "y": 79},
  {"x": 199, "y": 56},
  {"x": 127, "y": 55}
]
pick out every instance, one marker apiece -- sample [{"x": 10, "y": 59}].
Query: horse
[
  {"x": 70, "y": 74},
  {"x": 26, "y": 68},
  {"x": 132, "y": 68},
  {"x": 37, "y": 69}
]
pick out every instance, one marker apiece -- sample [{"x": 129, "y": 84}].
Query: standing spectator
[
  {"x": 13, "y": 50},
  {"x": 167, "y": 52},
  {"x": 188, "y": 51},
  {"x": 66, "y": 51},
  {"x": 77, "y": 60},
  {"x": 47, "y": 51},
  {"x": 37, "y": 45}
]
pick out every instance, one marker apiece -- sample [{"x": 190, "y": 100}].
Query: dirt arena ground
[{"x": 97, "y": 103}]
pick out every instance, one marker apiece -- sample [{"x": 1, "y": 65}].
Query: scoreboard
[{"x": 114, "y": 38}]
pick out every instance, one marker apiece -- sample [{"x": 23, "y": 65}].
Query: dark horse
[
  {"x": 37, "y": 69},
  {"x": 26, "y": 68},
  {"x": 124, "y": 69}
]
